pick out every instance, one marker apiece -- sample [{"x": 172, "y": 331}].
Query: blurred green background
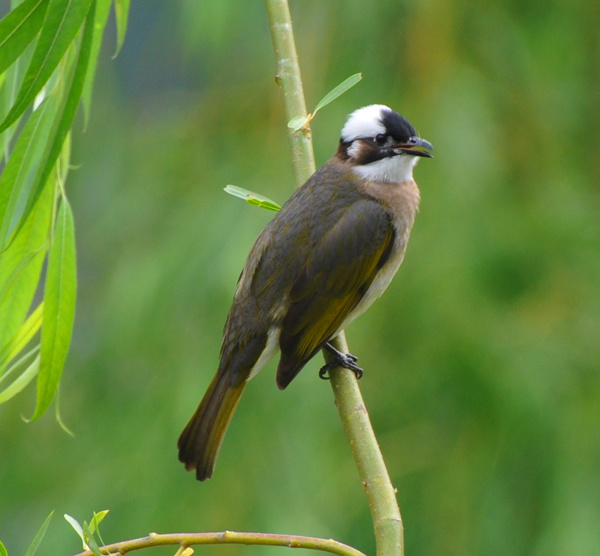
[{"x": 482, "y": 360}]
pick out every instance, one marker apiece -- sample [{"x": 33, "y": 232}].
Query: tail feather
[{"x": 201, "y": 439}]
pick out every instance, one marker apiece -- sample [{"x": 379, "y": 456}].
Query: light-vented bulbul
[{"x": 325, "y": 257}]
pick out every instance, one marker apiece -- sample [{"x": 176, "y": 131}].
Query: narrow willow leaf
[
  {"x": 8, "y": 281},
  {"x": 64, "y": 117},
  {"x": 59, "y": 419},
  {"x": 297, "y": 123},
  {"x": 100, "y": 18},
  {"x": 95, "y": 524},
  {"x": 267, "y": 205},
  {"x": 6, "y": 80},
  {"x": 21, "y": 266},
  {"x": 13, "y": 76},
  {"x": 59, "y": 308},
  {"x": 63, "y": 19},
  {"x": 19, "y": 178},
  {"x": 90, "y": 540},
  {"x": 96, "y": 520},
  {"x": 16, "y": 344},
  {"x": 40, "y": 535},
  {"x": 337, "y": 91},
  {"x": 75, "y": 524},
  {"x": 19, "y": 28},
  {"x": 64, "y": 160},
  {"x": 23, "y": 380},
  {"x": 252, "y": 198},
  {"x": 122, "y": 15},
  {"x": 3, "y": 551}
]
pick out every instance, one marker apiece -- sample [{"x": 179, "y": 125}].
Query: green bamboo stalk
[
  {"x": 381, "y": 495},
  {"x": 289, "y": 79}
]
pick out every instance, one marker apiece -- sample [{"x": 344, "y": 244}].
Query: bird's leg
[{"x": 339, "y": 359}]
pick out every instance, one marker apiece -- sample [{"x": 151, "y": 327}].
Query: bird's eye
[{"x": 381, "y": 139}]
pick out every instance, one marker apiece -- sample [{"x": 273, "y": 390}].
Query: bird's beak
[{"x": 415, "y": 146}]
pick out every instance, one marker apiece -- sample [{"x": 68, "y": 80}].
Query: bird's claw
[
  {"x": 345, "y": 360},
  {"x": 324, "y": 372}
]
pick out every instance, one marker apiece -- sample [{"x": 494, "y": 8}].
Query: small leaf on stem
[
  {"x": 297, "y": 123},
  {"x": 337, "y": 91},
  {"x": 252, "y": 198}
]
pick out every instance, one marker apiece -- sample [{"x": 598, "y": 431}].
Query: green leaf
[
  {"x": 40, "y": 535},
  {"x": 63, "y": 120},
  {"x": 8, "y": 280},
  {"x": 19, "y": 28},
  {"x": 59, "y": 308},
  {"x": 19, "y": 178},
  {"x": 267, "y": 205},
  {"x": 16, "y": 344},
  {"x": 337, "y": 91},
  {"x": 252, "y": 198},
  {"x": 75, "y": 524},
  {"x": 12, "y": 78},
  {"x": 86, "y": 533},
  {"x": 21, "y": 265},
  {"x": 100, "y": 18},
  {"x": 63, "y": 19},
  {"x": 58, "y": 416},
  {"x": 95, "y": 524},
  {"x": 21, "y": 382},
  {"x": 297, "y": 123},
  {"x": 122, "y": 15},
  {"x": 96, "y": 520},
  {"x": 3, "y": 551},
  {"x": 90, "y": 540}
]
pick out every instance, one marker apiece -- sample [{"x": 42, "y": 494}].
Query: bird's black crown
[{"x": 397, "y": 126}]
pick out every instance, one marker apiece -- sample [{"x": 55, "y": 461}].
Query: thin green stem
[
  {"x": 381, "y": 495},
  {"x": 226, "y": 537},
  {"x": 289, "y": 79}
]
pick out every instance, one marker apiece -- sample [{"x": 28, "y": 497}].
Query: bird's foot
[{"x": 345, "y": 360}]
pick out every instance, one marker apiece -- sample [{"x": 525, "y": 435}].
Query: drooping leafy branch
[{"x": 48, "y": 57}]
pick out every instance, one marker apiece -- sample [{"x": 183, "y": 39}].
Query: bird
[{"x": 325, "y": 257}]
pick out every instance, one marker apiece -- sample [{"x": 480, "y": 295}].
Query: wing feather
[{"x": 333, "y": 281}]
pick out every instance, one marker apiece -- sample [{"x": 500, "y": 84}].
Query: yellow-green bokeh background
[{"x": 482, "y": 359}]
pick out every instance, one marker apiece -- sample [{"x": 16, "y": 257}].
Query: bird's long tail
[{"x": 201, "y": 439}]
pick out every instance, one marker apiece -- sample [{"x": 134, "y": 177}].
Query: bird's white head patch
[{"x": 364, "y": 122}]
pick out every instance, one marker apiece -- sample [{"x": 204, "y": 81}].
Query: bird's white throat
[{"x": 393, "y": 169}]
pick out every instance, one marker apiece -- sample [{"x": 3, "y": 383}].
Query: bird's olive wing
[{"x": 336, "y": 276}]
